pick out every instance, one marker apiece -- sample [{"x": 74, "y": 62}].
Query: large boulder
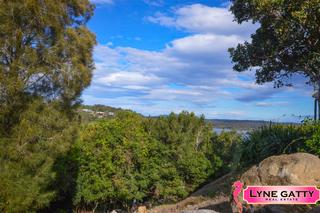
[
  {"x": 292, "y": 169},
  {"x": 142, "y": 209},
  {"x": 315, "y": 210}
]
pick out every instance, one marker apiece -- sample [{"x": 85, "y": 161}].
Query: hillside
[{"x": 92, "y": 112}]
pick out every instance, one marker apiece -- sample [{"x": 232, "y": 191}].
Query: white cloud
[
  {"x": 198, "y": 18},
  {"x": 205, "y": 43},
  {"x": 152, "y": 72},
  {"x": 127, "y": 78},
  {"x": 270, "y": 104},
  {"x": 190, "y": 73},
  {"x": 211, "y": 48},
  {"x": 156, "y": 3}
]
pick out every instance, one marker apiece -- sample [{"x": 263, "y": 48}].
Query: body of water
[{"x": 220, "y": 130}]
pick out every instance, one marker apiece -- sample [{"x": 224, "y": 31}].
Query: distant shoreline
[
  {"x": 99, "y": 111},
  {"x": 243, "y": 125}
]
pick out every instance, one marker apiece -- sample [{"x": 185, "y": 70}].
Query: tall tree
[
  {"x": 45, "y": 50},
  {"x": 286, "y": 41},
  {"x": 45, "y": 63},
  {"x": 27, "y": 157}
]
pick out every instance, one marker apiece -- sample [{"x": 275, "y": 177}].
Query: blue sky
[{"x": 157, "y": 57}]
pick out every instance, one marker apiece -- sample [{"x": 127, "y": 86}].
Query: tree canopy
[
  {"x": 133, "y": 158},
  {"x": 286, "y": 41},
  {"x": 45, "y": 50},
  {"x": 45, "y": 63},
  {"x": 27, "y": 157}
]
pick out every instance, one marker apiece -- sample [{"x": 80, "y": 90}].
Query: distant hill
[
  {"x": 241, "y": 124},
  {"x": 100, "y": 108},
  {"x": 93, "y": 112}
]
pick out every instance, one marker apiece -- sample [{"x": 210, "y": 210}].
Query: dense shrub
[
  {"x": 28, "y": 154},
  {"x": 227, "y": 145},
  {"x": 132, "y": 158},
  {"x": 278, "y": 139},
  {"x": 312, "y": 143},
  {"x": 188, "y": 139}
]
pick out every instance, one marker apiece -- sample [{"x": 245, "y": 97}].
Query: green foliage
[
  {"x": 45, "y": 50},
  {"x": 45, "y": 63},
  {"x": 271, "y": 140},
  {"x": 111, "y": 155},
  {"x": 227, "y": 146},
  {"x": 131, "y": 157},
  {"x": 286, "y": 41},
  {"x": 280, "y": 139},
  {"x": 27, "y": 156},
  {"x": 189, "y": 140},
  {"x": 312, "y": 144}
]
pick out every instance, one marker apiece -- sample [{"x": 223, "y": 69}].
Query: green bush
[
  {"x": 312, "y": 143},
  {"x": 227, "y": 145},
  {"x": 131, "y": 157},
  {"x": 27, "y": 157},
  {"x": 188, "y": 141},
  {"x": 278, "y": 139}
]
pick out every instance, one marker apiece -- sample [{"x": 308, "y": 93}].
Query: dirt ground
[{"x": 215, "y": 196}]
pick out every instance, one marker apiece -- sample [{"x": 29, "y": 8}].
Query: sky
[{"x": 157, "y": 57}]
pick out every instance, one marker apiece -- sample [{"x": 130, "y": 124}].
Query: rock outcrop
[
  {"x": 292, "y": 169},
  {"x": 315, "y": 210},
  {"x": 142, "y": 209}
]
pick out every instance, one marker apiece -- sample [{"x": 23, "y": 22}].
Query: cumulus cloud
[
  {"x": 176, "y": 73},
  {"x": 199, "y": 18},
  {"x": 204, "y": 43},
  {"x": 209, "y": 48},
  {"x": 190, "y": 73},
  {"x": 128, "y": 78}
]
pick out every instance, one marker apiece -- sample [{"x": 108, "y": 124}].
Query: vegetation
[
  {"x": 27, "y": 156},
  {"x": 280, "y": 139},
  {"x": 89, "y": 113},
  {"x": 228, "y": 146},
  {"x": 52, "y": 161},
  {"x": 286, "y": 41},
  {"x": 45, "y": 51},
  {"x": 45, "y": 63},
  {"x": 133, "y": 158},
  {"x": 100, "y": 108}
]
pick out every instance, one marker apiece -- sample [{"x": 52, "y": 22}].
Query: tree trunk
[
  {"x": 318, "y": 100},
  {"x": 316, "y": 96},
  {"x": 95, "y": 207},
  {"x": 318, "y": 110},
  {"x": 315, "y": 109}
]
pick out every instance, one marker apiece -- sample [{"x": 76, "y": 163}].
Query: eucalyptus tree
[
  {"x": 45, "y": 50},
  {"x": 45, "y": 63}
]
